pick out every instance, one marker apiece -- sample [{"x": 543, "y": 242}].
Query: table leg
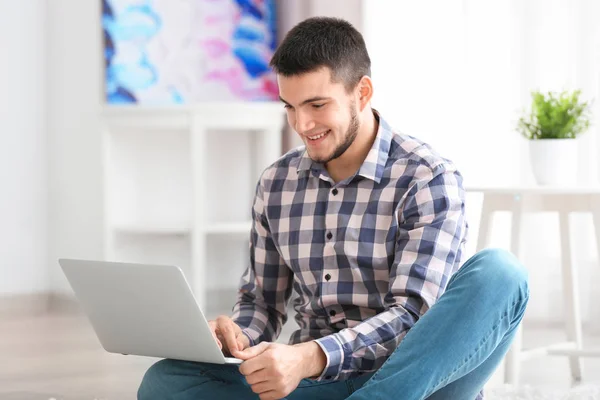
[
  {"x": 570, "y": 294},
  {"x": 512, "y": 362},
  {"x": 595, "y": 208},
  {"x": 487, "y": 212}
]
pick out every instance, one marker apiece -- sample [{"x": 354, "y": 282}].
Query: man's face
[{"x": 321, "y": 112}]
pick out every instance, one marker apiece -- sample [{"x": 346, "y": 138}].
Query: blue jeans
[{"x": 448, "y": 354}]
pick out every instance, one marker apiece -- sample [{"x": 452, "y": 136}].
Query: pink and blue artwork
[{"x": 161, "y": 52}]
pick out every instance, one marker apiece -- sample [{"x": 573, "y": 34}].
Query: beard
[{"x": 349, "y": 137}]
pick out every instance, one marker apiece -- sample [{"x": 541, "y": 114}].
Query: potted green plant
[{"x": 552, "y": 127}]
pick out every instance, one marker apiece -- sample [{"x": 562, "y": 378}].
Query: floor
[{"x": 58, "y": 356}]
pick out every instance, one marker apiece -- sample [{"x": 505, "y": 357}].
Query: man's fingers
[
  {"x": 227, "y": 328},
  {"x": 254, "y": 359},
  {"x": 262, "y": 387},
  {"x": 213, "y": 329},
  {"x": 252, "y": 352},
  {"x": 243, "y": 341},
  {"x": 270, "y": 395},
  {"x": 257, "y": 377}
]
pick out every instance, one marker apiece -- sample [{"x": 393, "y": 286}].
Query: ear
[{"x": 365, "y": 91}]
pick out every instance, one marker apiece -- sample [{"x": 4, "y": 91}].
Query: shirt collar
[{"x": 374, "y": 164}]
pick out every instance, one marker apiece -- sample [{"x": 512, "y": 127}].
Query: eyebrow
[{"x": 310, "y": 100}]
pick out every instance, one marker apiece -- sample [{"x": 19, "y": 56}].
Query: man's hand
[
  {"x": 274, "y": 370},
  {"x": 228, "y": 335}
]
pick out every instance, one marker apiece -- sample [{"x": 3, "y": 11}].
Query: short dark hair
[{"x": 324, "y": 42}]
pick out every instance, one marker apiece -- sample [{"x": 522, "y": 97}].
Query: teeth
[{"x": 318, "y": 136}]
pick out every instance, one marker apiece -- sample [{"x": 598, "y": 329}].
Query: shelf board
[
  {"x": 210, "y": 115},
  {"x": 182, "y": 229},
  {"x": 152, "y": 229},
  {"x": 229, "y": 227}
]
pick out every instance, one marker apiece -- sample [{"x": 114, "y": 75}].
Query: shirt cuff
[{"x": 335, "y": 357}]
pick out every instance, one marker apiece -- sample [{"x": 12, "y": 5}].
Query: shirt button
[
  {"x": 327, "y": 277},
  {"x": 332, "y": 313},
  {"x": 335, "y": 192},
  {"x": 329, "y": 235}
]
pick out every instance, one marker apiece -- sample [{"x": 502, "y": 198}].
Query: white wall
[
  {"x": 50, "y": 149},
  {"x": 23, "y": 193},
  {"x": 75, "y": 154}
]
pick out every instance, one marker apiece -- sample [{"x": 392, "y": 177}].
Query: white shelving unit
[{"x": 179, "y": 184}]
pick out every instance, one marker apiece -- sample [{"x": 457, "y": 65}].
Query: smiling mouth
[{"x": 319, "y": 136}]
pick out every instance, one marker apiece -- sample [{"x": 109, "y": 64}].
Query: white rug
[{"x": 583, "y": 392}]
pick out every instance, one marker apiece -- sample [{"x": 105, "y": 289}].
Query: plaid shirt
[{"x": 366, "y": 256}]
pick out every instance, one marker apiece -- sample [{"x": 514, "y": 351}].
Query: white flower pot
[{"x": 554, "y": 161}]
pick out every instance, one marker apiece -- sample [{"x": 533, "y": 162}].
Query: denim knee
[{"x": 503, "y": 270}]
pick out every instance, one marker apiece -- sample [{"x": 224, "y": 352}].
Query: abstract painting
[{"x": 160, "y": 52}]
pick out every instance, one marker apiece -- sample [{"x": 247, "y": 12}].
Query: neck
[{"x": 349, "y": 163}]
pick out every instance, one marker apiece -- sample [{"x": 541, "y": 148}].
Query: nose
[{"x": 304, "y": 122}]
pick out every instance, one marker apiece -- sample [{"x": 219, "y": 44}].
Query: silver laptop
[{"x": 145, "y": 310}]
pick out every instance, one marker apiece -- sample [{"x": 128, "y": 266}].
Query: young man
[{"x": 367, "y": 226}]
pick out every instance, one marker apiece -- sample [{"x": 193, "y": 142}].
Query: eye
[
  {"x": 287, "y": 107},
  {"x": 318, "y": 105}
]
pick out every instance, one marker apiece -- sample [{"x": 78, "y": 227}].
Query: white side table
[{"x": 519, "y": 200}]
